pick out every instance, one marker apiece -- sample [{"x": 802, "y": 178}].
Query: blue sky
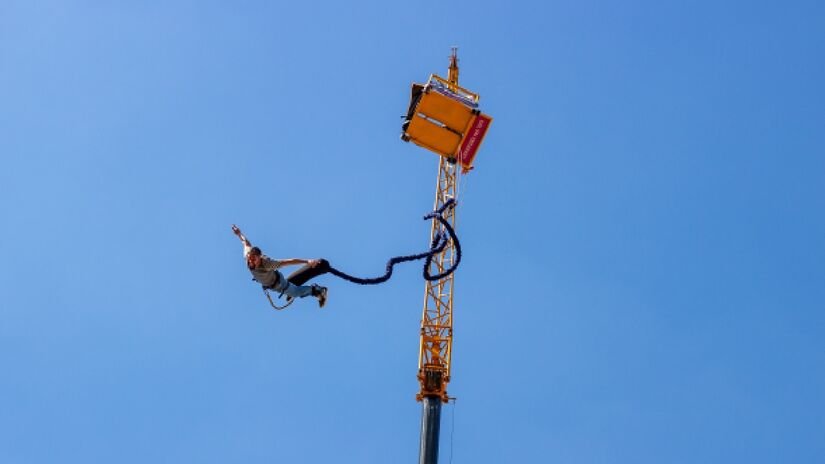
[{"x": 643, "y": 233}]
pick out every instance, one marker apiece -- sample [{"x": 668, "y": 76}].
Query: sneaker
[{"x": 322, "y": 296}]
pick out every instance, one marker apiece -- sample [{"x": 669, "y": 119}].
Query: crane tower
[{"x": 443, "y": 118}]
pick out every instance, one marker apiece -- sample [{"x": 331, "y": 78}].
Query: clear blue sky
[{"x": 644, "y": 237}]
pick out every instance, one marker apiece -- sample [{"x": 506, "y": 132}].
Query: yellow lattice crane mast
[{"x": 443, "y": 118}]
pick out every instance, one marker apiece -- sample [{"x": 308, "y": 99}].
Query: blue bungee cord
[{"x": 439, "y": 242}]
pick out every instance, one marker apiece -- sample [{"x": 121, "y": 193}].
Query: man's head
[{"x": 253, "y": 259}]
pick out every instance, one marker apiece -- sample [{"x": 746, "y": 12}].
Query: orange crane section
[{"x": 443, "y": 118}]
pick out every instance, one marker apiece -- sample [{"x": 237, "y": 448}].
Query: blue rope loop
[{"x": 439, "y": 243}]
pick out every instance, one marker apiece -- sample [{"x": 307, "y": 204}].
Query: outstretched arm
[
  {"x": 242, "y": 237},
  {"x": 293, "y": 261}
]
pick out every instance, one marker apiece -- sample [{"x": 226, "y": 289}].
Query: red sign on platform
[{"x": 472, "y": 141}]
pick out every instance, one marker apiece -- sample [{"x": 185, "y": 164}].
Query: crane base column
[{"x": 430, "y": 429}]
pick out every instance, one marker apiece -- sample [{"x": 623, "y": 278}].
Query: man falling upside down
[{"x": 265, "y": 270}]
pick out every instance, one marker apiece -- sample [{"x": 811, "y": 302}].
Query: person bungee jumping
[{"x": 265, "y": 271}]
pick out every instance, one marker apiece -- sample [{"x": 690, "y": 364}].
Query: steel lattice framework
[{"x": 437, "y": 320}]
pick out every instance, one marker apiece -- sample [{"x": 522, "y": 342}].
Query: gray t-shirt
[{"x": 267, "y": 273}]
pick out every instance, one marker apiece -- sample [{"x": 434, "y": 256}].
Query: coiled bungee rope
[{"x": 439, "y": 242}]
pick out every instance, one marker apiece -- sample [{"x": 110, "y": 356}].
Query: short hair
[{"x": 254, "y": 251}]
